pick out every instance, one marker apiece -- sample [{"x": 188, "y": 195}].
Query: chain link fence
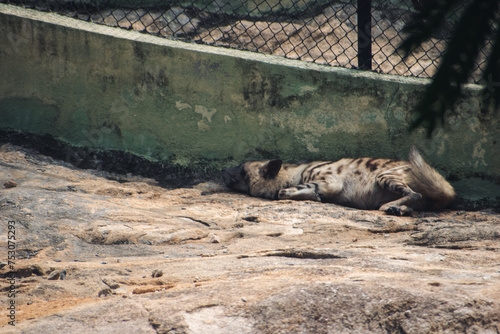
[{"x": 353, "y": 34}]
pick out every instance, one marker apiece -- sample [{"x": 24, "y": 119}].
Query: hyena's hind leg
[{"x": 394, "y": 181}]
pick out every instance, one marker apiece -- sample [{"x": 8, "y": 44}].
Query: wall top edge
[{"x": 71, "y": 23}]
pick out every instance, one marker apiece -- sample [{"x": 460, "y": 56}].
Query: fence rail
[{"x": 360, "y": 34}]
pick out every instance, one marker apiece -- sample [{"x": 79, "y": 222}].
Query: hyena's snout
[
  {"x": 229, "y": 174},
  {"x": 233, "y": 180}
]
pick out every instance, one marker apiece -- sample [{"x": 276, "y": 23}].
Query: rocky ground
[{"x": 97, "y": 252}]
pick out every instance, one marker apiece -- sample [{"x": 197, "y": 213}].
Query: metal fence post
[{"x": 364, "y": 34}]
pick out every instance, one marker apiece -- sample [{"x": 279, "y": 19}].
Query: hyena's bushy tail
[{"x": 429, "y": 182}]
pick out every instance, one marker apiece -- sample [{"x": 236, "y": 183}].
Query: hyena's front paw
[
  {"x": 285, "y": 194},
  {"x": 298, "y": 194}
]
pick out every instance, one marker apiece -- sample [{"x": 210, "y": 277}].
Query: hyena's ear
[{"x": 271, "y": 169}]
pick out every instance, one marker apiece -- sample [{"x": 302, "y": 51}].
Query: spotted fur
[{"x": 396, "y": 187}]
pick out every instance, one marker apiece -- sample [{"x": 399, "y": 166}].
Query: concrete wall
[{"x": 196, "y": 105}]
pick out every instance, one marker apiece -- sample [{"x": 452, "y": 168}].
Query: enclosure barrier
[{"x": 361, "y": 34}]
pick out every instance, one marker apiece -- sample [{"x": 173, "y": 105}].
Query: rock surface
[{"x": 90, "y": 247}]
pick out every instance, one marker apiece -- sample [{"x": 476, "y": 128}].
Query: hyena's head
[{"x": 257, "y": 178}]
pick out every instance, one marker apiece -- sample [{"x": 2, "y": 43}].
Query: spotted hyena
[{"x": 396, "y": 187}]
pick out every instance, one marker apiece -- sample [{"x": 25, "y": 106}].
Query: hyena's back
[
  {"x": 353, "y": 182},
  {"x": 368, "y": 183},
  {"x": 364, "y": 183}
]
